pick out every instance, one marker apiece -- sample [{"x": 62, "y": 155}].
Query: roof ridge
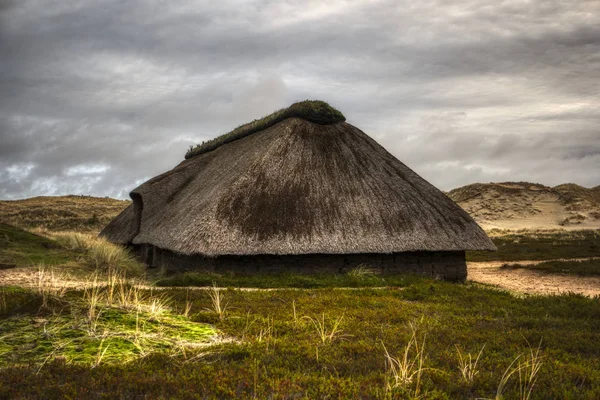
[{"x": 315, "y": 111}]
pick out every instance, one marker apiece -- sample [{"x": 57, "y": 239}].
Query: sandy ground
[
  {"x": 530, "y": 282},
  {"x": 519, "y": 281}
]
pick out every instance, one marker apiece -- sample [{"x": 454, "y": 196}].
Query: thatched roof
[{"x": 296, "y": 187}]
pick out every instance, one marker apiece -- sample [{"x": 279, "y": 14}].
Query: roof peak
[{"x": 315, "y": 111}]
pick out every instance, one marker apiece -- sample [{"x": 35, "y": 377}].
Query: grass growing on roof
[{"x": 316, "y": 111}]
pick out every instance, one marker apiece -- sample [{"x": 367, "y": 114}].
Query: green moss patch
[
  {"x": 117, "y": 336},
  {"x": 315, "y": 111}
]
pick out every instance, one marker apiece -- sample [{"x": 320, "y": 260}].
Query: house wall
[{"x": 448, "y": 265}]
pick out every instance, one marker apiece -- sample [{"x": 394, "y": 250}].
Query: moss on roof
[{"x": 315, "y": 111}]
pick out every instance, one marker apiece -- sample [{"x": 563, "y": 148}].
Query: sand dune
[{"x": 523, "y": 205}]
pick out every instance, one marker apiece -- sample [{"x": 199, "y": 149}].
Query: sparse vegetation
[
  {"x": 571, "y": 267},
  {"x": 540, "y": 245},
  {"x": 314, "y": 111},
  {"x": 61, "y": 213}
]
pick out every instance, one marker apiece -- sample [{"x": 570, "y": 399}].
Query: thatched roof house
[{"x": 298, "y": 190}]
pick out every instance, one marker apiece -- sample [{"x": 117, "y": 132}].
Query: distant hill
[
  {"x": 80, "y": 213},
  {"x": 516, "y": 205},
  {"x": 506, "y": 205}
]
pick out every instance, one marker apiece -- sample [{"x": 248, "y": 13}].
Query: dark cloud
[{"x": 100, "y": 95}]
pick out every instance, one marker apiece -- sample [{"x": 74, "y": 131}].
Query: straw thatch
[{"x": 295, "y": 187}]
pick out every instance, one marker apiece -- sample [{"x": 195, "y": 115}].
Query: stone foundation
[{"x": 448, "y": 265}]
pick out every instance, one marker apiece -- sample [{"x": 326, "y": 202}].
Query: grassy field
[{"x": 117, "y": 336}]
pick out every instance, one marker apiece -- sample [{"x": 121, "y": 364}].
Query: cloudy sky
[{"x": 99, "y": 95}]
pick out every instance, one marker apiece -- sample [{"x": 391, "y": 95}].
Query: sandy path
[{"x": 531, "y": 282}]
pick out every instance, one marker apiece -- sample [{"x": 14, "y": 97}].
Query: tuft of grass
[
  {"x": 327, "y": 331},
  {"x": 72, "y": 240},
  {"x": 467, "y": 365},
  {"x": 407, "y": 369},
  {"x": 217, "y": 298},
  {"x": 315, "y": 111},
  {"x": 108, "y": 256},
  {"x": 361, "y": 271},
  {"x": 528, "y": 372}
]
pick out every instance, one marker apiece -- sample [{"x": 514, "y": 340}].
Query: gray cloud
[{"x": 100, "y": 95}]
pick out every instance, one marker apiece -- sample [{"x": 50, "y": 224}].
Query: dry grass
[
  {"x": 407, "y": 369},
  {"x": 99, "y": 253},
  {"x": 48, "y": 284},
  {"x": 528, "y": 372},
  {"x": 361, "y": 271},
  {"x": 327, "y": 330},
  {"x": 467, "y": 365},
  {"x": 217, "y": 298},
  {"x": 527, "y": 369}
]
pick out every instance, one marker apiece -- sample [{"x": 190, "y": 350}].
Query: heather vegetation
[
  {"x": 285, "y": 280},
  {"x": 540, "y": 245},
  {"x": 115, "y": 335},
  {"x": 590, "y": 267},
  {"x": 371, "y": 343},
  {"x": 66, "y": 213},
  {"x": 314, "y": 111}
]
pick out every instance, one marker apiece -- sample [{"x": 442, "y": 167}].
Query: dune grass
[
  {"x": 579, "y": 268},
  {"x": 314, "y": 111},
  {"x": 99, "y": 253}
]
